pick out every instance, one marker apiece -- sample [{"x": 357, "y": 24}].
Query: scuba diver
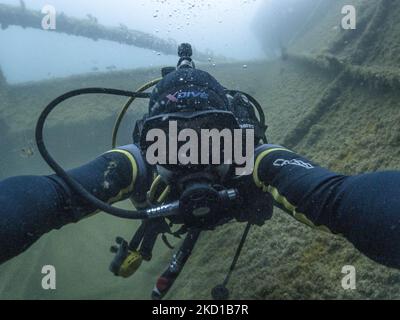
[{"x": 365, "y": 209}]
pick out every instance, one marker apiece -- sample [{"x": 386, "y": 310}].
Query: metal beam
[{"x": 89, "y": 28}]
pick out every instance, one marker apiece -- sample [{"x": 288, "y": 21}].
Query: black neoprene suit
[{"x": 365, "y": 209}]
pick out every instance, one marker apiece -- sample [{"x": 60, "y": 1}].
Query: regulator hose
[
  {"x": 73, "y": 184},
  {"x": 126, "y": 107},
  {"x": 262, "y": 120}
]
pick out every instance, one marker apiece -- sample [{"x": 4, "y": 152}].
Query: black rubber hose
[
  {"x": 73, "y": 184},
  {"x": 256, "y": 104}
]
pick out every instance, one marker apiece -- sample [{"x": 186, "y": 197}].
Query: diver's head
[
  {"x": 189, "y": 99},
  {"x": 187, "y": 90}
]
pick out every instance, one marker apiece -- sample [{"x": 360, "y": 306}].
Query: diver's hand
[
  {"x": 256, "y": 206},
  {"x": 126, "y": 262}
]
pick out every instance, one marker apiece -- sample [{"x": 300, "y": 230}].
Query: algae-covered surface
[
  {"x": 283, "y": 259},
  {"x": 355, "y": 128}
]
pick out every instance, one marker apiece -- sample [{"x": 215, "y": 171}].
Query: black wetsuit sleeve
[
  {"x": 365, "y": 208},
  {"x": 31, "y": 206}
]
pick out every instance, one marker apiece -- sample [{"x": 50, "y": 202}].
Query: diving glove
[{"x": 126, "y": 261}]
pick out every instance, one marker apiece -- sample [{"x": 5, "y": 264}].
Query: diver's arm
[
  {"x": 365, "y": 208},
  {"x": 31, "y": 206}
]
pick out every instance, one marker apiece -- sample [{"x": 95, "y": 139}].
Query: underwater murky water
[{"x": 289, "y": 55}]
